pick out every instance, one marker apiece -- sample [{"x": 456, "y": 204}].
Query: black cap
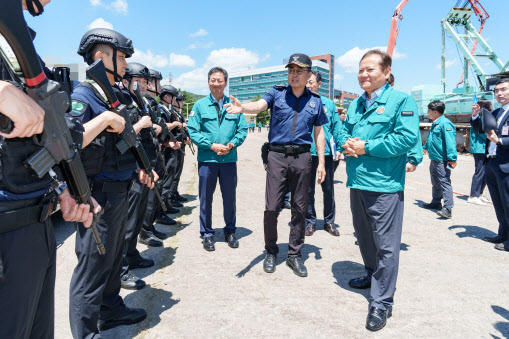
[
  {"x": 299, "y": 59},
  {"x": 489, "y": 122},
  {"x": 155, "y": 74}
]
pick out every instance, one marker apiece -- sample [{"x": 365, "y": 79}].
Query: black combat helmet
[
  {"x": 181, "y": 96},
  {"x": 105, "y": 36},
  {"x": 135, "y": 69},
  {"x": 168, "y": 89},
  {"x": 155, "y": 74}
]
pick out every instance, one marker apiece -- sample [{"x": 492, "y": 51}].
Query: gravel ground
[{"x": 450, "y": 283}]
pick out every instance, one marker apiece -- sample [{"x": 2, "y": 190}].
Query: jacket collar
[{"x": 381, "y": 99}]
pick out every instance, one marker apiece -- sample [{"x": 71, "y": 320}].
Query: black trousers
[
  {"x": 171, "y": 157},
  {"x": 329, "y": 205},
  {"x": 294, "y": 169},
  {"x": 27, "y": 296},
  {"x": 138, "y": 202},
  {"x": 95, "y": 283},
  {"x": 498, "y": 185},
  {"x": 178, "y": 173},
  {"x": 478, "y": 179}
]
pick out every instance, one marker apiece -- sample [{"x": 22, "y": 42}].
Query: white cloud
[
  {"x": 350, "y": 60},
  {"x": 200, "y": 32},
  {"x": 231, "y": 59},
  {"x": 448, "y": 63},
  {"x": 95, "y": 2},
  {"x": 338, "y": 77},
  {"x": 201, "y": 45},
  {"x": 149, "y": 59},
  {"x": 181, "y": 60},
  {"x": 100, "y": 23},
  {"x": 119, "y": 6}
]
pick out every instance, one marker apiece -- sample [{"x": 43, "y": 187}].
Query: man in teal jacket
[
  {"x": 217, "y": 135},
  {"x": 380, "y": 128},
  {"x": 441, "y": 147},
  {"x": 331, "y": 131}
]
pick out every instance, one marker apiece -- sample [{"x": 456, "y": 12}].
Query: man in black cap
[{"x": 296, "y": 112}]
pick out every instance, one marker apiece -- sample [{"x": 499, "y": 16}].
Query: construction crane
[
  {"x": 393, "y": 35},
  {"x": 481, "y": 14}
]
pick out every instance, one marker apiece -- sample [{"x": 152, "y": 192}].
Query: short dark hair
[
  {"x": 106, "y": 49},
  {"x": 437, "y": 106},
  {"x": 318, "y": 76},
  {"x": 218, "y": 69},
  {"x": 485, "y": 104},
  {"x": 386, "y": 59},
  {"x": 391, "y": 79},
  {"x": 502, "y": 81}
]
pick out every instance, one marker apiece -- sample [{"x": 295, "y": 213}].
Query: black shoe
[
  {"x": 175, "y": 203},
  {"x": 287, "y": 205},
  {"x": 357, "y": 242},
  {"x": 170, "y": 209},
  {"x": 495, "y": 240},
  {"x": 232, "y": 240},
  {"x": 376, "y": 319},
  {"x": 139, "y": 262},
  {"x": 165, "y": 220},
  {"x": 208, "y": 244},
  {"x": 445, "y": 213},
  {"x": 180, "y": 198},
  {"x": 127, "y": 316},
  {"x": 296, "y": 264},
  {"x": 131, "y": 282},
  {"x": 360, "y": 283},
  {"x": 269, "y": 264},
  {"x": 149, "y": 239},
  {"x": 160, "y": 235},
  {"x": 436, "y": 206}
]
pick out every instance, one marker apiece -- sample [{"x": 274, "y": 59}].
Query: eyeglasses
[{"x": 297, "y": 71}]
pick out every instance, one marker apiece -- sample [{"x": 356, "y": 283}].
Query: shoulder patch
[
  {"x": 191, "y": 114},
  {"x": 409, "y": 113},
  {"x": 449, "y": 129},
  {"x": 78, "y": 107}
]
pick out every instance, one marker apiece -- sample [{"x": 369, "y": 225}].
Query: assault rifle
[
  {"x": 153, "y": 134},
  {"x": 130, "y": 140},
  {"x": 57, "y": 146},
  {"x": 180, "y": 119}
]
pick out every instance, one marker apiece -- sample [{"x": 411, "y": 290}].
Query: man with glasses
[{"x": 295, "y": 113}]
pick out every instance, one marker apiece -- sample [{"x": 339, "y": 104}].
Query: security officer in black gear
[
  {"x": 95, "y": 303},
  {"x": 138, "y": 74},
  {"x": 168, "y": 94},
  {"x": 178, "y": 103},
  {"x": 27, "y": 240},
  {"x": 151, "y": 98}
]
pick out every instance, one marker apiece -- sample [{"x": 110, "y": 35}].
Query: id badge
[{"x": 505, "y": 130}]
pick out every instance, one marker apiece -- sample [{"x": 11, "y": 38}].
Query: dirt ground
[{"x": 450, "y": 284}]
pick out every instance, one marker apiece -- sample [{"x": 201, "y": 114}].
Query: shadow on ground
[
  {"x": 501, "y": 326},
  {"x": 344, "y": 271},
  {"x": 63, "y": 229},
  {"x": 472, "y": 232},
  {"x": 241, "y": 232},
  {"x": 157, "y": 300},
  {"x": 162, "y": 256},
  {"x": 306, "y": 250}
]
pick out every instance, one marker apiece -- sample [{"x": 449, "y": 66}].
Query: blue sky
[{"x": 186, "y": 38}]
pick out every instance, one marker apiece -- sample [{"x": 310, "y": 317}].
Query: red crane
[
  {"x": 482, "y": 15},
  {"x": 393, "y": 36}
]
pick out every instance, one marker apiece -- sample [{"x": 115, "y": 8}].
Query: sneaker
[
  {"x": 475, "y": 201},
  {"x": 484, "y": 199},
  {"x": 445, "y": 213}
]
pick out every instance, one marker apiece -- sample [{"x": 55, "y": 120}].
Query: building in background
[
  {"x": 329, "y": 60},
  {"x": 344, "y": 97},
  {"x": 77, "y": 70},
  {"x": 247, "y": 85}
]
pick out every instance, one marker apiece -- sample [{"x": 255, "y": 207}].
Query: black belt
[
  {"x": 111, "y": 186},
  {"x": 24, "y": 216},
  {"x": 290, "y": 149}
]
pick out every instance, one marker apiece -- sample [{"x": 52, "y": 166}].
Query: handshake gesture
[{"x": 354, "y": 147}]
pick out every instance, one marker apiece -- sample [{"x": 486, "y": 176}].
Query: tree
[{"x": 263, "y": 117}]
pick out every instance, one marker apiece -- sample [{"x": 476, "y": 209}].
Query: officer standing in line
[
  {"x": 478, "y": 149},
  {"x": 497, "y": 163},
  {"x": 176, "y": 107},
  {"x": 218, "y": 135},
  {"x": 342, "y": 117},
  {"x": 441, "y": 147},
  {"x": 331, "y": 131},
  {"x": 27, "y": 240},
  {"x": 296, "y": 113},
  {"x": 95, "y": 303},
  {"x": 381, "y": 127},
  {"x": 138, "y": 195},
  {"x": 168, "y": 93}
]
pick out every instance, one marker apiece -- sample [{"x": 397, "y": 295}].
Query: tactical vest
[
  {"x": 15, "y": 177},
  {"x": 146, "y": 139},
  {"x": 101, "y": 155}
]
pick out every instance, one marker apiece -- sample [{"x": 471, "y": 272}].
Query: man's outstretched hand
[{"x": 234, "y": 106}]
